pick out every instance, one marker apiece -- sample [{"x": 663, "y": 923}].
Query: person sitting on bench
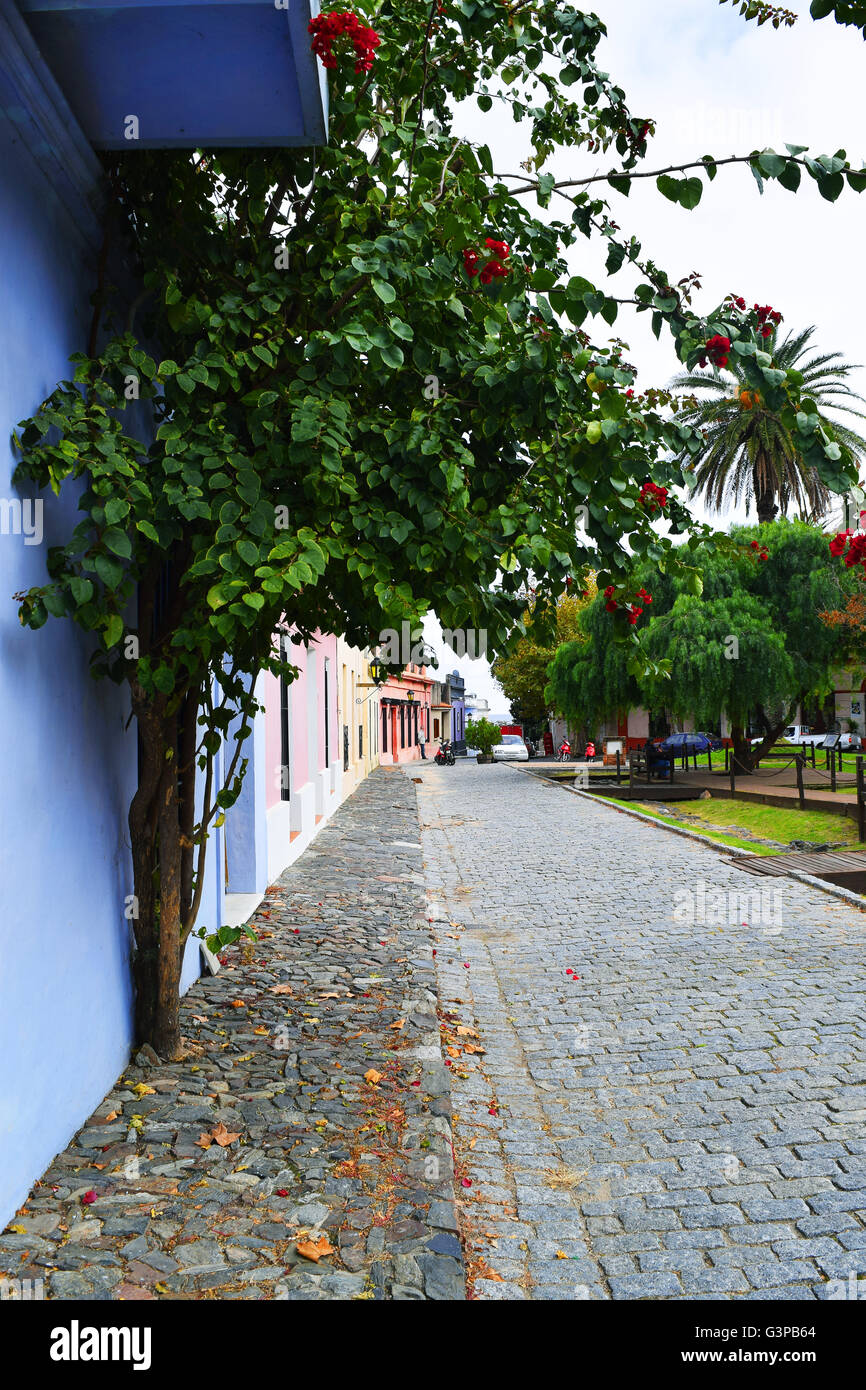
[{"x": 657, "y": 761}]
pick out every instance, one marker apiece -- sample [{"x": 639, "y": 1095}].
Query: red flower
[
  {"x": 325, "y": 28},
  {"x": 629, "y": 394},
  {"x": 501, "y": 248},
  {"x": 754, "y": 545},
  {"x": 282, "y": 1192},
  {"x": 470, "y": 262},
  {"x": 718, "y": 347},
  {"x": 89, "y": 1198},
  {"x": 652, "y": 497},
  {"x": 642, "y": 593},
  {"x": 611, "y": 606},
  {"x": 838, "y": 543},
  {"x": 466, "y": 1182}
]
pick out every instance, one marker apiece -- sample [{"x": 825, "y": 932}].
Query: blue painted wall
[{"x": 67, "y": 763}]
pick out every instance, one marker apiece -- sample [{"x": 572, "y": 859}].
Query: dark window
[
  {"x": 360, "y": 740},
  {"x": 285, "y": 790},
  {"x": 345, "y": 748},
  {"x": 416, "y": 724},
  {"x": 402, "y": 726}
]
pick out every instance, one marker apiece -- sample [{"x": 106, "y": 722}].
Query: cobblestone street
[
  {"x": 666, "y": 1109},
  {"x": 302, "y": 1148}
]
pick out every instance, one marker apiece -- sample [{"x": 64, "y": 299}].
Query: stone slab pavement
[
  {"x": 671, "y": 1103},
  {"x": 309, "y": 1118}
]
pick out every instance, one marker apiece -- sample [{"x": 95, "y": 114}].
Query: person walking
[{"x": 422, "y": 739}]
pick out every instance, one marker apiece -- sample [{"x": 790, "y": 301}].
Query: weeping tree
[
  {"x": 373, "y": 393},
  {"x": 748, "y": 451},
  {"x": 741, "y": 634}
]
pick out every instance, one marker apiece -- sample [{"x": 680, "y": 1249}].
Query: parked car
[
  {"x": 685, "y": 743},
  {"x": 714, "y": 742},
  {"x": 802, "y": 733},
  {"x": 511, "y": 749}
]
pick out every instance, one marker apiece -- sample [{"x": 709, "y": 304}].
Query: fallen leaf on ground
[
  {"x": 401, "y": 1023},
  {"x": 282, "y": 989},
  {"x": 109, "y": 1117},
  {"x": 237, "y": 1003},
  {"x": 262, "y": 1031},
  {"x": 561, "y": 1255},
  {"x": 142, "y": 1090},
  {"x": 314, "y": 1249},
  {"x": 220, "y": 1136},
  {"x": 372, "y": 1076}
]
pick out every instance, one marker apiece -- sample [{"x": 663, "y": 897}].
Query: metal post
[
  {"x": 727, "y": 750},
  {"x": 800, "y": 758},
  {"x": 813, "y": 755},
  {"x": 861, "y": 803},
  {"x": 617, "y": 768},
  {"x": 832, "y": 774},
  {"x": 710, "y": 759},
  {"x": 730, "y": 767}
]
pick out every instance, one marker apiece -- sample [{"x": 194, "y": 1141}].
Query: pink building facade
[{"x": 404, "y": 710}]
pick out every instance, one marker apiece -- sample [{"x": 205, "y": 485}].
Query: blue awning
[{"x": 161, "y": 74}]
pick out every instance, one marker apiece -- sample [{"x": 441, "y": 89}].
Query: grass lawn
[{"x": 768, "y": 822}]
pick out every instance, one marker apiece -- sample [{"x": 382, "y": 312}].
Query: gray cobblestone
[{"x": 688, "y": 1102}]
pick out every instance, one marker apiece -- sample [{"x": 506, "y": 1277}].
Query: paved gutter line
[{"x": 834, "y": 891}]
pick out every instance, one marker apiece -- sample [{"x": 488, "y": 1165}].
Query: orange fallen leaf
[
  {"x": 465, "y": 1032},
  {"x": 237, "y": 1003},
  {"x": 220, "y": 1135},
  {"x": 111, "y": 1116},
  {"x": 561, "y": 1255},
  {"x": 401, "y": 1023},
  {"x": 329, "y": 996},
  {"x": 314, "y": 1249},
  {"x": 453, "y": 1051},
  {"x": 262, "y": 1031},
  {"x": 372, "y": 1076},
  {"x": 282, "y": 989}
]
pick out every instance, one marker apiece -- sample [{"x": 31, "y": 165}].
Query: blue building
[
  {"x": 71, "y": 77},
  {"x": 455, "y": 694}
]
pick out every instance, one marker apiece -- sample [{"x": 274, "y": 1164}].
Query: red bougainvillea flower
[
  {"x": 634, "y": 613},
  {"x": 718, "y": 347},
  {"x": 466, "y": 1182},
  {"x": 282, "y": 1192},
  {"x": 325, "y": 28},
  {"x": 493, "y": 268},
  {"x": 754, "y": 545},
  {"x": 89, "y": 1198},
  {"x": 642, "y": 593},
  {"x": 629, "y": 393},
  {"x": 739, "y": 301},
  {"x": 414, "y": 1083},
  {"x": 838, "y": 543},
  {"x": 652, "y": 497},
  {"x": 611, "y": 606}
]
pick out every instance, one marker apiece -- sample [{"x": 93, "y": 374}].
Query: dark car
[
  {"x": 686, "y": 743},
  {"x": 713, "y": 740}
]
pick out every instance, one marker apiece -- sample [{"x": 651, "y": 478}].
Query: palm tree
[{"x": 748, "y": 453}]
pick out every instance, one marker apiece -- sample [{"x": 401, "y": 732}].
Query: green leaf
[
  {"x": 386, "y": 292},
  {"x": 690, "y": 193},
  {"x": 113, "y": 630},
  {"x": 109, "y": 571},
  {"x": 790, "y": 177},
  {"x": 668, "y": 187},
  {"x": 771, "y": 163},
  {"x": 118, "y": 542}
]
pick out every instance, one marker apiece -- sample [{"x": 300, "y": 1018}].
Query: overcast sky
[{"x": 717, "y": 85}]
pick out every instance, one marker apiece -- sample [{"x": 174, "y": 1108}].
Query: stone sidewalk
[
  {"x": 302, "y": 1150},
  {"x": 670, "y": 1102}
]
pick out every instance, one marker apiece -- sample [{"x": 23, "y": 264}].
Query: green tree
[
  {"x": 483, "y": 735},
  {"x": 375, "y": 397},
  {"x": 751, "y": 642},
  {"x": 522, "y": 670},
  {"x": 749, "y": 451}
]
